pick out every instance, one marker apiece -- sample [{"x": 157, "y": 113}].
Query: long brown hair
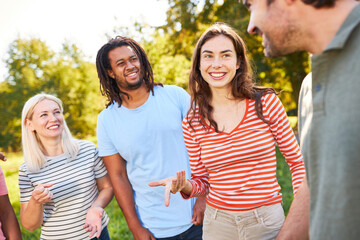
[
  {"x": 242, "y": 85},
  {"x": 108, "y": 85}
]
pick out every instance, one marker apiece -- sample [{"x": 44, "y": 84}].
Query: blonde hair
[{"x": 34, "y": 157}]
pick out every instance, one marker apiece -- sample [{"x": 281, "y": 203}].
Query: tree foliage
[
  {"x": 187, "y": 19},
  {"x": 34, "y": 68}
]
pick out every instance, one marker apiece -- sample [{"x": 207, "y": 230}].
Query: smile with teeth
[
  {"x": 132, "y": 74},
  {"x": 217, "y": 75},
  {"x": 54, "y": 127}
]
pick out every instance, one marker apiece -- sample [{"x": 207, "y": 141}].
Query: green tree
[
  {"x": 34, "y": 68},
  {"x": 169, "y": 68},
  {"x": 187, "y": 19}
]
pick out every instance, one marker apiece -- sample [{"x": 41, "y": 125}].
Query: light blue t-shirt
[{"x": 150, "y": 140}]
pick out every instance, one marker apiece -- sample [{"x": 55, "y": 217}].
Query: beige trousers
[{"x": 258, "y": 224}]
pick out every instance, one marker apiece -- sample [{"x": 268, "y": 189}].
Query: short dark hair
[{"x": 108, "y": 85}]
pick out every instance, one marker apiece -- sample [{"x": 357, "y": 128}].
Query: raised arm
[
  {"x": 31, "y": 213},
  {"x": 183, "y": 185},
  {"x": 174, "y": 185},
  {"x": 123, "y": 191}
]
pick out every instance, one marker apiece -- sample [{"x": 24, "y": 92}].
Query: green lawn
[{"x": 117, "y": 226}]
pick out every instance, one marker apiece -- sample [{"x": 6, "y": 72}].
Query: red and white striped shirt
[{"x": 238, "y": 169}]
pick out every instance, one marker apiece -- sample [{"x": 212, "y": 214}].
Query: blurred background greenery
[{"x": 33, "y": 68}]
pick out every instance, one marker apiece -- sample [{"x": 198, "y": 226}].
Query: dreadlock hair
[
  {"x": 108, "y": 85},
  {"x": 242, "y": 85}
]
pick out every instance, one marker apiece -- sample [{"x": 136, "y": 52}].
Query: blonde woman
[{"x": 64, "y": 185}]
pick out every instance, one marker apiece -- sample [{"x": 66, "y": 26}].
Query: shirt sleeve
[
  {"x": 199, "y": 175},
  {"x": 106, "y": 147},
  {"x": 285, "y": 138},
  {"x": 99, "y": 166},
  {"x": 184, "y": 100},
  {"x": 3, "y": 189},
  {"x": 25, "y": 185}
]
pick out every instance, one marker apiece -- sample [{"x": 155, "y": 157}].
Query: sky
[{"x": 82, "y": 22}]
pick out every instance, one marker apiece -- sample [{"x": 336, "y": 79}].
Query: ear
[
  {"x": 238, "y": 64},
  {"x": 29, "y": 125},
  {"x": 111, "y": 73}
]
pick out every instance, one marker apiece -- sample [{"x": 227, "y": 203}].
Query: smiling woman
[
  {"x": 230, "y": 132},
  {"x": 48, "y": 122},
  {"x": 63, "y": 182}
]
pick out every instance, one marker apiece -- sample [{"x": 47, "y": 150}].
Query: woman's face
[
  {"x": 218, "y": 62},
  {"x": 47, "y": 120}
]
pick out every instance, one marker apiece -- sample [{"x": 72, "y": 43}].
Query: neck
[
  {"x": 52, "y": 147},
  {"x": 136, "y": 98},
  {"x": 221, "y": 97},
  {"x": 323, "y": 24}
]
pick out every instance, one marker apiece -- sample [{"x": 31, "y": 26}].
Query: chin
[{"x": 136, "y": 85}]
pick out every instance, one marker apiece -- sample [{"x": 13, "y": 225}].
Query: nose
[
  {"x": 252, "y": 29},
  {"x": 129, "y": 64},
  {"x": 216, "y": 63},
  {"x": 52, "y": 117}
]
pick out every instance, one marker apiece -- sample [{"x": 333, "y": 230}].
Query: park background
[{"x": 32, "y": 66}]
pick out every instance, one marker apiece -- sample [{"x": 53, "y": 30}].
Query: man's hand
[
  {"x": 142, "y": 233},
  {"x": 93, "y": 221},
  {"x": 198, "y": 211},
  {"x": 2, "y": 157}
]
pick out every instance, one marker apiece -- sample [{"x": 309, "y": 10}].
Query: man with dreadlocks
[{"x": 140, "y": 139}]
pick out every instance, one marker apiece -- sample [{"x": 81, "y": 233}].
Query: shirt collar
[{"x": 345, "y": 30}]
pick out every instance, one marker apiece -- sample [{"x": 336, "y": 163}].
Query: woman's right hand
[
  {"x": 42, "y": 193},
  {"x": 173, "y": 185}
]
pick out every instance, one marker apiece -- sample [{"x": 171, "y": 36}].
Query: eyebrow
[
  {"x": 122, "y": 59},
  {"x": 224, "y": 51},
  {"x": 57, "y": 108}
]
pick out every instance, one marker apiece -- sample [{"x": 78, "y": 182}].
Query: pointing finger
[
  {"x": 156, "y": 183},
  {"x": 167, "y": 194}
]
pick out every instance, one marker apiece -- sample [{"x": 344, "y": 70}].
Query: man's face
[
  {"x": 125, "y": 68},
  {"x": 275, "y": 24}
]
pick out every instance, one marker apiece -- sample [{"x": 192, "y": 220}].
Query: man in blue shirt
[{"x": 140, "y": 139}]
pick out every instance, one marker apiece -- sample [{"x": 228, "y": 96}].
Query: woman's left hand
[{"x": 93, "y": 221}]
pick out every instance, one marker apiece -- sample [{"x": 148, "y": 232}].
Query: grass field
[{"x": 117, "y": 226}]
